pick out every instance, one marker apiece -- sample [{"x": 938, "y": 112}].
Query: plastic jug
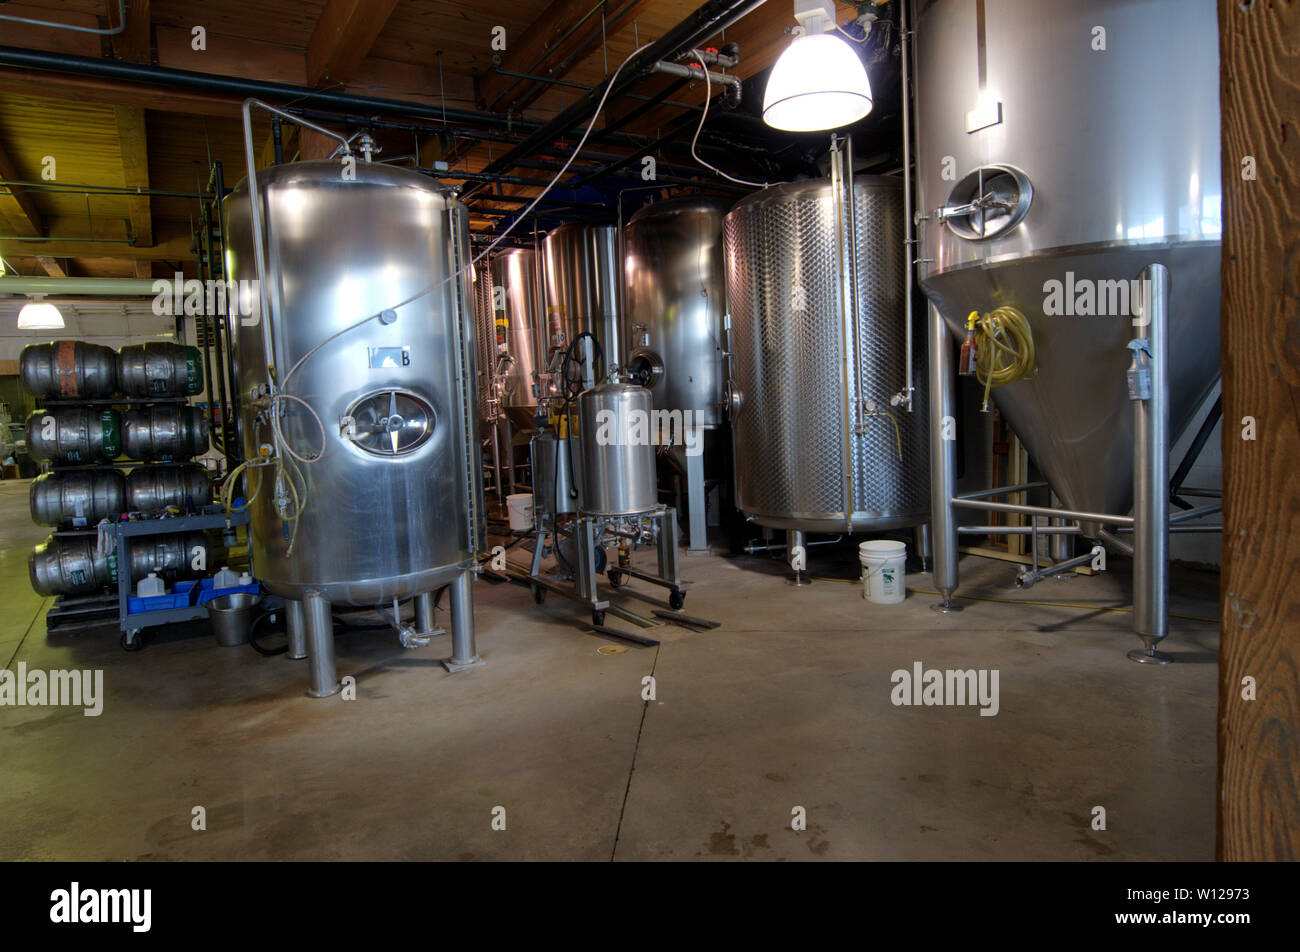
[
  {"x": 225, "y": 578},
  {"x": 150, "y": 585}
]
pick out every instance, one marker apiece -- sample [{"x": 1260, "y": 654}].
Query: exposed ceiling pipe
[
  {"x": 559, "y": 69},
  {"x": 236, "y": 87},
  {"x": 710, "y": 18},
  {"x": 104, "y": 287},
  {"x": 114, "y": 31}
]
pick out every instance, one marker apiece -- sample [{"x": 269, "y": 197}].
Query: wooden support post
[{"x": 1259, "y": 663}]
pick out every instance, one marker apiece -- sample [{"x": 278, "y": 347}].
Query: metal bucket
[{"x": 232, "y": 617}]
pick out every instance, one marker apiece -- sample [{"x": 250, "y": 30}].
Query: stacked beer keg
[{"x": 101, "y": 410}]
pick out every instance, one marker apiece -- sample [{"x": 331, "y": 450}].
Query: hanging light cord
[{"x": 708, "y": 95}]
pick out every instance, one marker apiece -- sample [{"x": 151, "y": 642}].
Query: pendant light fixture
[{"x": 819, "y": 82}]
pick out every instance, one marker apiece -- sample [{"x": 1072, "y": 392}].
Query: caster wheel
[
  {"x": 132, "y": 640},
  {"x": 598, "y": 618},
  {"x": 539, "y": 593},
  {"x": 615, "y": 577},
  {"x": 676, "y": 600}
]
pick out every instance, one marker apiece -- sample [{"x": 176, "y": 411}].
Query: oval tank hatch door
[{"x": 390, "y": 422}]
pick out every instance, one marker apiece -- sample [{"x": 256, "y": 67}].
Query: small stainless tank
[
  {"x": 164, "y": 432},
  {"x": 77, "y": 497},
  {"x": 74, "y": 435},
  {"x": 159, "y": 369},
  {"x": 68, "y": 369},
  {"x": 580, "y": 271},
  {"x": 70, "y": 565},
  {"x": 150, "y": 488},
  {"x": 618, "y": 452}
]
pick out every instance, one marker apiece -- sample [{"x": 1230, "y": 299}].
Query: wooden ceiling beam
[
  {"x": 51, "y": 266},
  {"x": 344, "y": 35},
  {"x": 135, "y": 43},
  {"x": 17, "y": 206},
  {"x": 134, "y": 143}
]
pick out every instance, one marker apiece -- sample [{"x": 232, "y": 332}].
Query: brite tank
[
  {"x": 580, "y": 271},
  {"x": 789, "y": 331},
  {"x": 676, "y": 300},
  {"x": 1105, "y": 161},
  {"x": 395, "y": 508}
]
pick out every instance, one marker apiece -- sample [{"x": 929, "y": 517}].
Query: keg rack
[{"x": 78, "y": 530}]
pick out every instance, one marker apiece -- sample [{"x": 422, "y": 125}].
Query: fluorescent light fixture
[
  {"x": 39, "y": 316},
  {"x": 818, "y": 82}
]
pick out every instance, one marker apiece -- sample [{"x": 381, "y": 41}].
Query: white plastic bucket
[
  {"x": 883, "y": 571},
  {"x": 520, "y": 508}
]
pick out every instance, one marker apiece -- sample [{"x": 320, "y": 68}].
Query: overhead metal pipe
[
  {"x": 708, "y": 19},
  {"x": 569, "y": 84},
  {"x": 242, "y": 88},
  {"x": 104, "y": 287},
  {"x": 11, "y": 184},
  {"x": 112, "y": 31}
]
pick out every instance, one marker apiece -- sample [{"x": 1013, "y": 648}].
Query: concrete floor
[{"x": 786, "y": 705}]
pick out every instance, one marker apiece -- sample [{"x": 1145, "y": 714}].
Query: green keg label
[
  {"x": 192, "y": 423},
  {"x": 110, "y": 425},
  {"x": 112, "y": 568},
  {"x": 193, "y": 370}
]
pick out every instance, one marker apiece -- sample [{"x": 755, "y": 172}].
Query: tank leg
[
  {"x": 1062, "y": 545},
  {"x": 320, "y": 646},
  {"x": 496, "y": 463},
  {"x": 1151, "y": 478},
  {"x": 943, "y": 463},
  {"x": 669, "y": 539},
  {"x": 699, "y": 542},
  {"x": 797, "y": 555},
  {"x": 509, "y": 448},
  {"x": 464, "y": 654},
  {"x": 424, "y": 624},
  {"x": 921, "y": 537},
  {"x": 295, "y": 625},
  {"x": 585, "y": 542}
]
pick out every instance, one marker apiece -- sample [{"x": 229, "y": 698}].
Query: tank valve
[
  {"x": 348, "y": 427},
  {"x": 410, "y": 638}
]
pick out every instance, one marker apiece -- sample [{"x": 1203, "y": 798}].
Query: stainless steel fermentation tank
[
  {"x": 674, "y": 327},
  {"x": 822, "y": 440},
  {"x": 516, "y": 313},
  {"x": 1078, "y": 143},
  {"x": 509, "y": 317},
  {"x": 581, "y": 279},
  {"x": 392, "y": 508}
]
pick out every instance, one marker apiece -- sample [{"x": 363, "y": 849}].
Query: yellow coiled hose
[{"x": 1004, "y": 348}]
